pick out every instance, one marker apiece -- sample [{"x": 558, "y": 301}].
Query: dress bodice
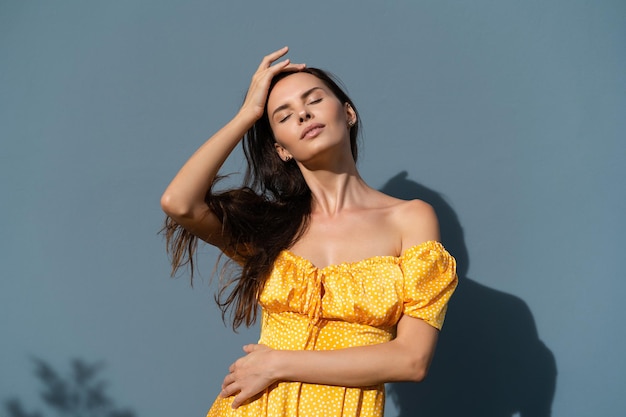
[{"x": 349, "y": 304}]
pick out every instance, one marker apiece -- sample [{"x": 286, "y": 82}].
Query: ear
[
  {"x": 282, "y": 152},
  {"x": 350, "y": 115}
]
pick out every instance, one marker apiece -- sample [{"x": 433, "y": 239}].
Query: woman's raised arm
[{"x": 183, "y": 200}]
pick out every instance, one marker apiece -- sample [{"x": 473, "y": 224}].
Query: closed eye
[
  {"x": 284, "y": 119},
  {"x": 315, "y": 101}
]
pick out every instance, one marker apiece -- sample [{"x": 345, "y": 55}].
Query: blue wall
[{"x": 508, "y": 116}]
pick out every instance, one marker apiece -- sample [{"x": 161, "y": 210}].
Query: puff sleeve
[{"x": 429, "y": 281}]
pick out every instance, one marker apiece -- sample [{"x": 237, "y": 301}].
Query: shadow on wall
[
  {"x": 489, "y": 360},
  {"x": 81, "y": 394}
]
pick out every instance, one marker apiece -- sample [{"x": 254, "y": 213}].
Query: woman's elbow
[
  {"x": 418, "y": 374},
  {"x": 173, "y": 207},
  {"x": 418, "y": 369}
]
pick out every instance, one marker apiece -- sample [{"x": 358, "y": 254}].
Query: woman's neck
[{"x": 335, "y": 191}]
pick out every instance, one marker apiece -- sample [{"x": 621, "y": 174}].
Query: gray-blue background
[{"x": 514, "y": 112}]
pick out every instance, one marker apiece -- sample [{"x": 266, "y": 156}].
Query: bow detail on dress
[{"x": 314, "y": 294}]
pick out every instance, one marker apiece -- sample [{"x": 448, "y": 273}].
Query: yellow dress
[{"x": 339, "y": 306}]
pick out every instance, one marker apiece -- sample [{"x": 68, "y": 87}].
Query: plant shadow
[
  {"x": 489, "y": 360},
  {"x": 81, "y": 393}
]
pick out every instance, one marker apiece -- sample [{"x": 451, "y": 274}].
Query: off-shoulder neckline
[{"x": 364, "y": 261}]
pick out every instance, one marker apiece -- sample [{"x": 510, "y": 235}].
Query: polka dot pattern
[{"x": 339, "y": 306}]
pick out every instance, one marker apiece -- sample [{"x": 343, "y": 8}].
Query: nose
[{"x": 304, "y": 115}]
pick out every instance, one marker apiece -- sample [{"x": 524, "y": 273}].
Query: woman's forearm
[
  {"x": 351, "y": 367},
  {"x": 188, "y": 188},
  {"x": 405, "y": 358}
]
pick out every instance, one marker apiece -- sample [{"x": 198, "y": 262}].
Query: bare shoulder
[
  {"x": 416, "y": 221},
  {"x": 412, "y": 222}
]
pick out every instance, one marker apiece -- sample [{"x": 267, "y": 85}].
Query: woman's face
[{"x": 307, "y": 118}]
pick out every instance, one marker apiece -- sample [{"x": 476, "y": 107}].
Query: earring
[
  {"x": 350, "y": 123},
  {"x": 288, "y": 158}
]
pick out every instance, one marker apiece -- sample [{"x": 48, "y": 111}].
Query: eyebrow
[{"x": 302, "y": 97}]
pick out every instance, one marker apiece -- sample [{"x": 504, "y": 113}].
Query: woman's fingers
[
  {"x": 229, "y": 388},
  {"x": 293, "y": 67},
  {"x": 248, "y": 375},
  {"x": 276, "y": 68},
  {"x": 240, "y": 399},
  {"x": 228, "y": 379},
  {"x": 269, "y": 58},
  {"x": 254, "y": 104},
  {"x": 252, "y": 347},
  {"x": 285, "y": 65}
]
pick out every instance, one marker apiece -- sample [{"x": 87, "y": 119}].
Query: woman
[{"x": 352, "y": 283}]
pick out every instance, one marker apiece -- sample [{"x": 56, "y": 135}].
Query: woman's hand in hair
[
  {"x": 250, "y": 374},
  {"x": 254, "y": 104},
  {"x": 184, "y": 200}
]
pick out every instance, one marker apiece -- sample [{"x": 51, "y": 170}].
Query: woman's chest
[{"x": 348, "y": 239}]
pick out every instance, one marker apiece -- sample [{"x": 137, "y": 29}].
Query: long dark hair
[{"x": 263, "y": 217}]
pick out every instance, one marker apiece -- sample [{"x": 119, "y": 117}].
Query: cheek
[
  {"x": 339, "y": 113},
  {"x": 284, "y": 134}
]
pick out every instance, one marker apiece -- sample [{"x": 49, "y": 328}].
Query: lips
[{"x": 312, "y": 130}]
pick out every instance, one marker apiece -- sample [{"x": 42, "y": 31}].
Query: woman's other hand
[
  {"x": 250, "y": 374},
  {"x": 254, "y": 104}
]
